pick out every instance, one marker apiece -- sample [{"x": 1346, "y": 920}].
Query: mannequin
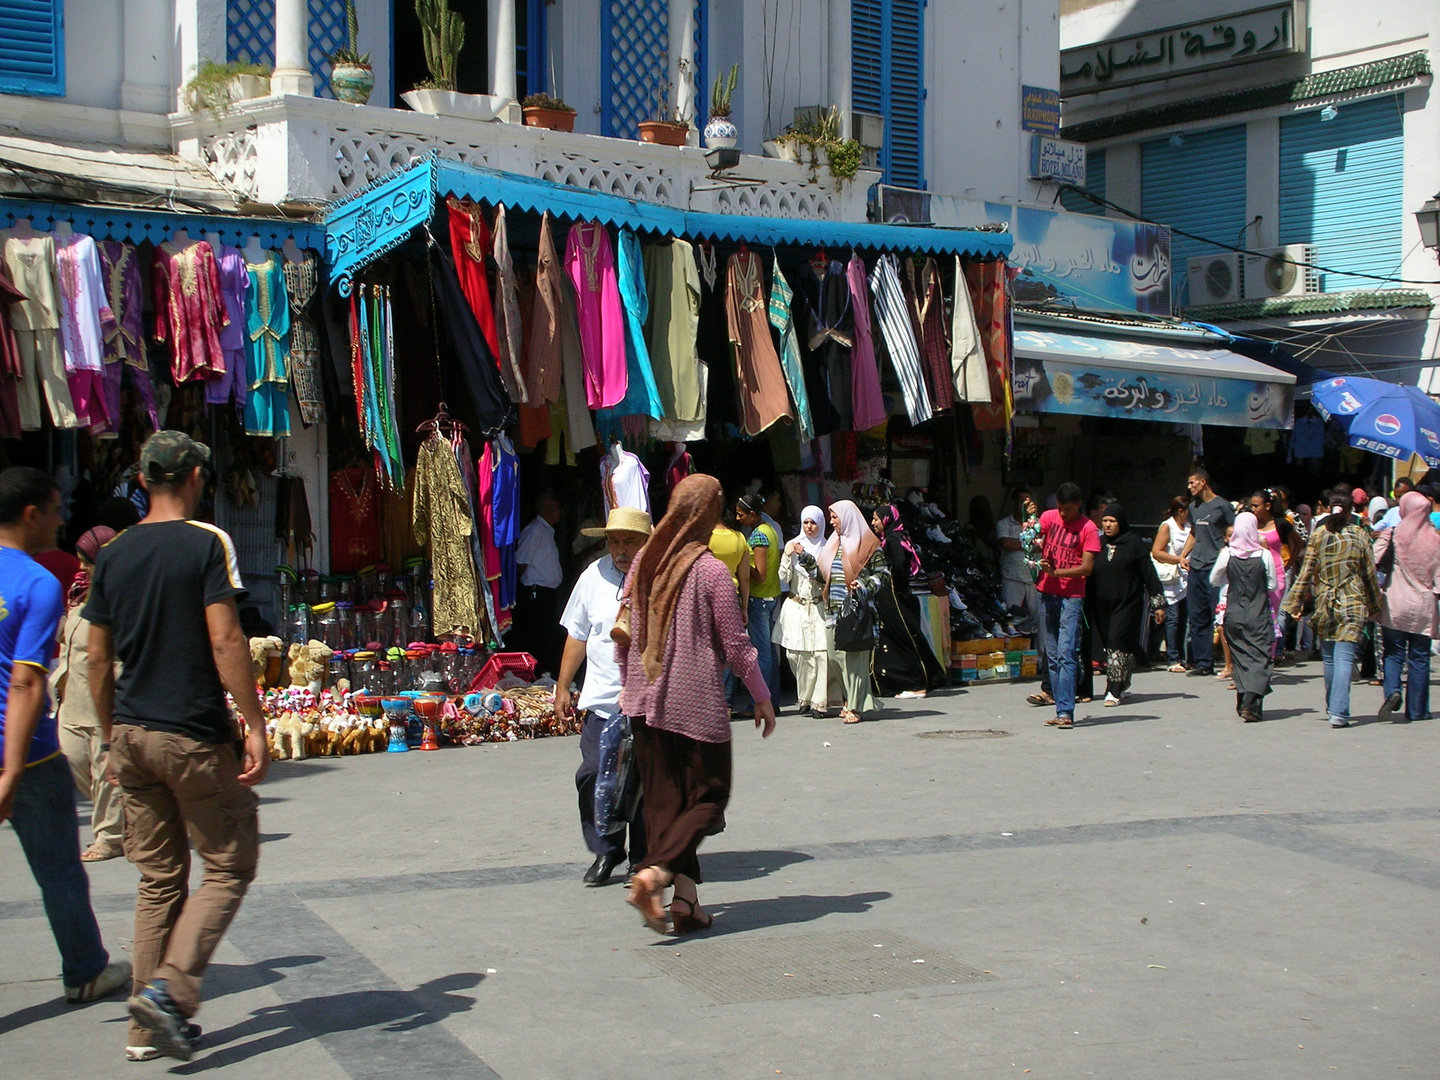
[
  {"x": 22, "y": 229},
  {"x": 214, "y": 240},
  {"x": 293, "y": 252},
  {"x": 62, "y": 229},
  {"x": 255, "y": 253},
  {"x": 180, "y": 238}
]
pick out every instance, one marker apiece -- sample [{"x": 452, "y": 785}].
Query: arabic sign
[
  {"x": 1056, "y": 159},
  {"x": 1262, "y": 34},
  {"x": 1081, "y": 388},
  {"x": 1075, "y": 260},
  {"x": 1039, "y": 110}
]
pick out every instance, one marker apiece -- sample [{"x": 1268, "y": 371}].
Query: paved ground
[{"x": 1161, "y": 892}]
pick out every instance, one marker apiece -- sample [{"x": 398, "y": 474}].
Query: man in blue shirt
[{"x": 36, "y": 792}]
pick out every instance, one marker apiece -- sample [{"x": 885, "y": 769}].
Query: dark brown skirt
[{"x": 687, "y": 786}]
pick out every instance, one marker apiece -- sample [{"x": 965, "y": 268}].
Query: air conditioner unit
[
  {"x": 868, "y": 129},
  {"x": 1282, "y": 271},
  {"x": 1215, "y": 279}
]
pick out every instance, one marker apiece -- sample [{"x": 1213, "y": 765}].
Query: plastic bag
[{"x": 617, "y": 788}]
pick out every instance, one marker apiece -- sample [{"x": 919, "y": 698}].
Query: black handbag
[{"x": 855, "y": 629}]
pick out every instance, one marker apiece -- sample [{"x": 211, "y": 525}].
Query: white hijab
[{"x": 815, "y": 514}]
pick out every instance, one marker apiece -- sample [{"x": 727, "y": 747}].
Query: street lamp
[{"x": 1428, "y": 218}]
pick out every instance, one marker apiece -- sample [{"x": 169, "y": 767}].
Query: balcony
[{"x": 305, "y": 152}]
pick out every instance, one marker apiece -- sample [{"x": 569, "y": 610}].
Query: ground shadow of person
[
  {"x": 741, "y": 915},
  {"x": 748, "y": 865},
  {"x": 392, "y": 1012},
  {"x": 224, "y": 979}
]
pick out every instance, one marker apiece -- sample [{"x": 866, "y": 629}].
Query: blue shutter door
[
  {"x": 1198, "y": 186},
  {"x": 888, "y": 77},
  {"x": 1094, "y": 183},
  {"x": 1341, "y": 188},
  {"x": 32, "y": 47}
]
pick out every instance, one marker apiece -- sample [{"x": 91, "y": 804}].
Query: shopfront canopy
[
  {"x": 1148, "y": 378},
  {"x": 378, "y": 218}
]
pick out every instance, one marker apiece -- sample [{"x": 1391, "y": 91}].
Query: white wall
[{"x": 95, "y": 53}]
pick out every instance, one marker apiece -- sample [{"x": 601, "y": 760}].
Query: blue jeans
[
  {"x": 1175, "y": 631},
  {"x": 1202, "y": 597},
  {"x": 1409, "y": 653},
  {"x": 1339, "y": 657},
  {"x": 1061, "y": 627},
  {"x": 762, "y": 614},
  {"x": 49, "y": 830}
]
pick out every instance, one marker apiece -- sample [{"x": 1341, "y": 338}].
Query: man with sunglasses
[{"x": 162, "y": 601}]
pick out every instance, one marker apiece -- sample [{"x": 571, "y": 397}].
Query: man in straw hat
[{"x": 588, "y": 619}]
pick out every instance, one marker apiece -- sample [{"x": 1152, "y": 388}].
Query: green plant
[
  {"x": 210, "y": 87},
  {"x": 817, "y": 132},
  {"x": 846, "y": 156},
  {"x": 444, "y": 33},
  {"x": 545, "y": 101},
  {"x": 720, "y": 94},
  {"x": 349, "y": 55}
]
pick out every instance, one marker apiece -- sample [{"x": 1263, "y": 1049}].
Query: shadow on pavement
[
  {"x": 223, "y": 979},
  {"x": 1113, "y": 718},
  {"x": 390, "y": 1011},
  {"x": 33, "y": 1014},
  {"x": 742, "y": 915},
  {"x": 749, "y": 865}
]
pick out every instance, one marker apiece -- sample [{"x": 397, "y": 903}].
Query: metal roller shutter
[
  {"x": 1198, "y": 186},
  {"x": 1342, "y": 188},
  {"x": 1094, "y": 183},
  {"x": 32, "y": 47}
]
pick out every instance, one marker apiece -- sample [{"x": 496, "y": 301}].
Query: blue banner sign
[
  {"x": 377, "y": 219},
  {"x": 1040, "y": 110},
  {"x": 1056, "y": 159}
]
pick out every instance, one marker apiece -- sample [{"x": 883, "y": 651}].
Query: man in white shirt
[
  {"x": 588, "y": 619},
  {"x": 537, "y": 558}
]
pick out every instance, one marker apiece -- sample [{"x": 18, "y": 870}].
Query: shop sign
[
  {"x": 1083, "y": 261},
  {"x": 1057, "y": 159},
  {"x": 1262, "y": 34},
  {"x": 1039, "y": 110},
  {"x": 377, "y": 219}
]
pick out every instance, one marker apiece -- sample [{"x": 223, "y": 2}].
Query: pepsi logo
[
  {"x": 1349, "y": 403},
  {"x": 1387, "y": 424},
  {"x": 1430, "y": 437}
]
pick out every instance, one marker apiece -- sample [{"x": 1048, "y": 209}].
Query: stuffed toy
[
  {"x": 263, "y": 652},
  {"x": 307, "y": 663}
]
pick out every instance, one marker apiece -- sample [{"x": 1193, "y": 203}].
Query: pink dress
[
  {"x": 86, "y": 312},
  {"x": 590, "y": 261},
  {"x": 1272, "y": 542},
  {"x": 864, "y": 373}
]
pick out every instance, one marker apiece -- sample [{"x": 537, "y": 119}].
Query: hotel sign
[{"x": 1262, "y": 34}]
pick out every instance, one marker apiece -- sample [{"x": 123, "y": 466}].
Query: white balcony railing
[{"x": 310, "y": 151}]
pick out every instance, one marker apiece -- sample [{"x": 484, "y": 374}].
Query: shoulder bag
[{"x": 855, "y": 629}]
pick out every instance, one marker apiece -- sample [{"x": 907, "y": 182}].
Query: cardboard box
[
  {"x": 1029, "y": 664},
  {"x": 1017, "y": 644}
]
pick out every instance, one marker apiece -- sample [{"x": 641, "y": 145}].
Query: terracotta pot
[
  {"x": 658, "y": 131},
  {"x": 554, "y": 119}
]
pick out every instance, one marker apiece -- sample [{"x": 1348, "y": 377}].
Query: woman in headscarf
[
  {"x": 1376, "y": 511},
  {"x": 1250, "y": 570},
  {"x": 80, "y": 737},
  {"x": 851, "y": 562},
  {"x": 905, "y": 664},
  {"x": 801, "y": 630},
  {"x": 1407, "y": 613},
  {"x": 685, "y": 627},
  {"x": 1282, "y": 542},
  {"x": 1123, "y": 577}
]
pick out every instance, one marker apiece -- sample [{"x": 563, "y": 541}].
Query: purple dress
[
  {"x": 234, "y": 286},
  {"x": 864, "y": 372}
]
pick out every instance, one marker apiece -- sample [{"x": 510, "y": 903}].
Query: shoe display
[
  {"x": 116, "y": 977},
  {"x": 154, "y": 1010}
]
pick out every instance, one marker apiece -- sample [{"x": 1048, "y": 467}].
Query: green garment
[{"x": 673, "y": 283}]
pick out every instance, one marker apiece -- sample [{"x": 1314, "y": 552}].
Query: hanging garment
[
  {"x": 590, "y": 262},
  {"x": 505, "y": 499},
  {"x": 717, "y": 355},
  {"x": 397, "y": 539},
  {"x": 492, "y": 621},
  {"x": 442, "y": 520},
  {"x": 267, "y": 409},
  {"x": 543, "y": 363},
  {"x": 234, "y": 384},
  {"x": 578, "y": 424},
  {"x": 890, "y": 309},
  {"x": 486, "y": 550},
  {"x": 992, "y": 316},
  {"x": 292, "y": 520},
  {"x": 828, "y": 339},
  {"x": 85, "y": 311},
  {"x": 466, "y": 347},
  {"x": 624, "y": 481},
  {"x": 189, "y": 309},
  {"x": 967, "y": 355},
  {"x": 925, "y": 300},
  {"x": 671, "y": 332},
  {"x": 30, "y": 262},
  {"x": 869, "y": 403},
  {"x": 380, "y": 429},
  {"x": 301, "y": 280},
  {"x": 10, "y": 366},
  {"x": 124, "y": 344},
  {"x": 471, "y": 247},
  {"x": 783, "y": 319},
  {"x": 507, "y": 315},
  {"x": 761, "y": 383},
  {"x": 642, "y": 397},
  {"x": 355, "y": 521},
  {"x": 681, "y": 465}
]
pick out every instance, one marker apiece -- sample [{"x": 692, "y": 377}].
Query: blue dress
[
  {"x": 267, "y": 341},
  {"x": 642, "y": 394}
]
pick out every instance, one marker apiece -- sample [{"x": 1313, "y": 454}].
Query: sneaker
[
  {"x": 911, "y": 694},
  {"x": 154, "y": 1010},
  {"x": 1390, "y": 705},
  {"x": 150, "y": 1053},
  {"x": 1339, "y": 721},
  {"x": 1200, "y": 672},
  {"x": 112, "y": 980}
]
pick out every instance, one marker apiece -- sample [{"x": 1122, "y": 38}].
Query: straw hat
[{"x": 623, "y": 519}]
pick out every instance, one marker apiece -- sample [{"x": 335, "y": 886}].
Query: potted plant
[
  {"x": 814, "y": 140},
  {"x": 351, "y": 77},
  {"x": 667, "y": 126},
  {"x": 721, "y": 131},
  {"x": 443, "y": 31},
  {"x": 215, "y": 86},
  {"x": 544, "y": 111}
]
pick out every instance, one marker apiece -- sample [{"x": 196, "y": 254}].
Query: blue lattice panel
[
  {"x": 638, "y": 54},
  {"x": 327, "y": 33},
  {"x": 250, "y": 35}
]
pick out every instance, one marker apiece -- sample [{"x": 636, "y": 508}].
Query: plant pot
[
  {"x": 553, "y": 119},
  {"x": 781, "y": 151},
  {"x": 245, "y": 87},
  {"x": 721, "y": 133},
  {"x": 461, "y": 106},
  {"x": 352, "y": 83},
  {"x": 658, "y": 131}
]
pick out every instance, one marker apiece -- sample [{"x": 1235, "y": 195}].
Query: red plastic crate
[{"x": 499, "y": 664}]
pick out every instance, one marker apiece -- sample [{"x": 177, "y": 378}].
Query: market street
[{"x": 1161, "y": 892}]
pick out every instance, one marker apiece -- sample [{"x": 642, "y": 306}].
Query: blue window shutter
[
  {"x": 1342, "y": 188},
  {"x": 530, "y": 47},
  {"x": 634, "y": 59},
  {"x": 887, "y": 76},
  {"x": 32, "y": 47},
  {"x": 866, "y": 44},
  {"x": 1094, "y": 183},
  {"x": 1198, "y": 186}
]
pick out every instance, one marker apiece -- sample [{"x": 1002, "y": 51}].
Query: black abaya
[{"x": 903, "y": 658}]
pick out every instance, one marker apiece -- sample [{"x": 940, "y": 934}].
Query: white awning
[{"x": 1144, "y": 356}]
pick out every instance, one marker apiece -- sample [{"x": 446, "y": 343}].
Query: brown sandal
[
  {"x": 1041, "y": 698},
  {"x": 644, "y": 897},
  {"x": 688, "y": 922}
]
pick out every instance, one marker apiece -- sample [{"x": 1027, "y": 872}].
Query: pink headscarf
[
  {"x": 854, "y": 539},
  {"x": 1417, "y": 544},
  {"x": 1245, "y": 540}
]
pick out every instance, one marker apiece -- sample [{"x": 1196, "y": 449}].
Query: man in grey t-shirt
[{"x": 1210, "y": 520}]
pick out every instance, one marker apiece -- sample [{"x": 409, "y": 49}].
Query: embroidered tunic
[
  {"x": 301, "y": 280},
  {"x": 441, "y": 519},
  {"x": 763, "y": 397},
  {"x": 926, "y": 301},
  {"x": 471, "y": 244},
  {"x": 590, "y": 262},
  {"x": 121, "y": 270},
  {"x": 267, "y": 411},
  {"x": 189, "y": 311}
]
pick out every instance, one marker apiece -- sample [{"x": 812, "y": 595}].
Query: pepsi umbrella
[{"x": 1381, "y": 417}]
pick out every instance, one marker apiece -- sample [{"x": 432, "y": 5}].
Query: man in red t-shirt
[{"x": 1069, "y": 543}]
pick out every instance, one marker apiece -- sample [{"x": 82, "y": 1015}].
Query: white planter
[
  {"x": 783, "y": 151},
  {"x": 721, "y": 133},
  {"x": 461, "y": 106},
  {"x": 246, "y": 87}
]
